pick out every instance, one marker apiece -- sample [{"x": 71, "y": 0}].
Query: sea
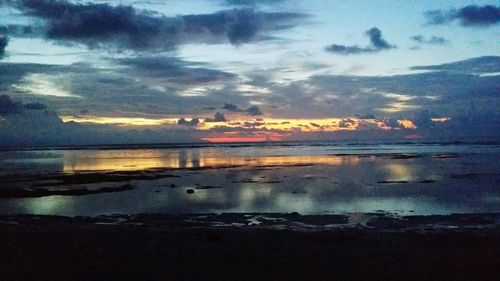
[{"x": 404, "y": 178}]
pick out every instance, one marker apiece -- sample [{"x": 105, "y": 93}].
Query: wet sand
[{"x": 238, "y": 247}]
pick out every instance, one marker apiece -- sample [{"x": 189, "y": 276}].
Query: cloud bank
[{"x": 124, "y": 27}]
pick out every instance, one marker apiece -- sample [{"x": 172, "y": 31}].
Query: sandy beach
[{"x": 230, "y": 247}]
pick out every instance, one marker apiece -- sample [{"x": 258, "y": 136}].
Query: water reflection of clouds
[
  {"x": 47, "y": 205},
  {"x": 306, "y": 184}
]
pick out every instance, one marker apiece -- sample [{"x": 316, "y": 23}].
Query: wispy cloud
[{"x": 433, "y": 40}]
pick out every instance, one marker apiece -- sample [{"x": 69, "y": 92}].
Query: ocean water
[{"x": 309, "y": 178}]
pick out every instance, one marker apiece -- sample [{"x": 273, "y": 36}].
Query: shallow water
[{"x": 309, "y": 178}]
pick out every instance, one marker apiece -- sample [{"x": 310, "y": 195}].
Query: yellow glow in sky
[
  {"x": 123, "y": 121},
  {"x": 281, "y": 124}
]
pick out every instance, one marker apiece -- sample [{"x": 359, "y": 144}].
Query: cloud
[
  {"x": 471, "y": 15},
  {"x": 124, "y": 27},
  {"x": 230, "y": 107},
  {"x": 348, "y": 50},
  {"x": 7, "y": 106},
  {"x": 98, "y": 24},
  {"x": 251, "y": 3},
  {"x": 347, "y": 123},
  {"x": 392, "y": 123},
  {"x": 254, "y": 111},
  {"x": 377, "y": 44},
  {"x": 218, "y": 117},
  {"x": 17, "y": 30},
  {"x": 433, "y": 40},
  {"x": 457, "y": 83},
  {"x": 239, "y": 25},
  {"x": 181, "y": 72},
  {"x": 32, "y": 125},
  {"x": 4, "y": 40},
  {"x": 138, "y": 85},
  {"x": 376, "y": 39},
  {"x": 193, "y": 122},
  {"x": 486, "y": 64}
]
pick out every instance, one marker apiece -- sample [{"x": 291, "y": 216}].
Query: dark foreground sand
[{"x": 292, "y": 247}]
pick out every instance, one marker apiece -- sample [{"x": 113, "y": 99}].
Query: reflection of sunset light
[
  {"x": 407, "y": 124},
  {"x": 131, "y": 160},
  {"x": 414, "y": 136},
  {"x": 440, "y": 119},
  {"x": 227, "y": 139}
]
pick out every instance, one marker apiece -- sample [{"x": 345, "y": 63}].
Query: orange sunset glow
[{"x": 251, "y": 130}]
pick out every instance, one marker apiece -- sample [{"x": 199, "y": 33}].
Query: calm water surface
[{"x": 312, "y": 178}]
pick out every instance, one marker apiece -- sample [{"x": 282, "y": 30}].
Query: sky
[{"x": 132, "y": 71}]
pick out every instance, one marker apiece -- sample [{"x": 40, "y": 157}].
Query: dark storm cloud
[
  {"x": 433, "y": 40},
  {"x": 98, "y": 25},
  {"x": 377, "y": 44},
  {"x": 471, "y": 15}
]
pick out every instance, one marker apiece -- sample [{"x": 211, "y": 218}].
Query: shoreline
[
  {"x": 375, "y": 221},
  {"x": 190, "y": 247}
]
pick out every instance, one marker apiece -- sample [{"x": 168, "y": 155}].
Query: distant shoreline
[{"x": 202, "y": 144}]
